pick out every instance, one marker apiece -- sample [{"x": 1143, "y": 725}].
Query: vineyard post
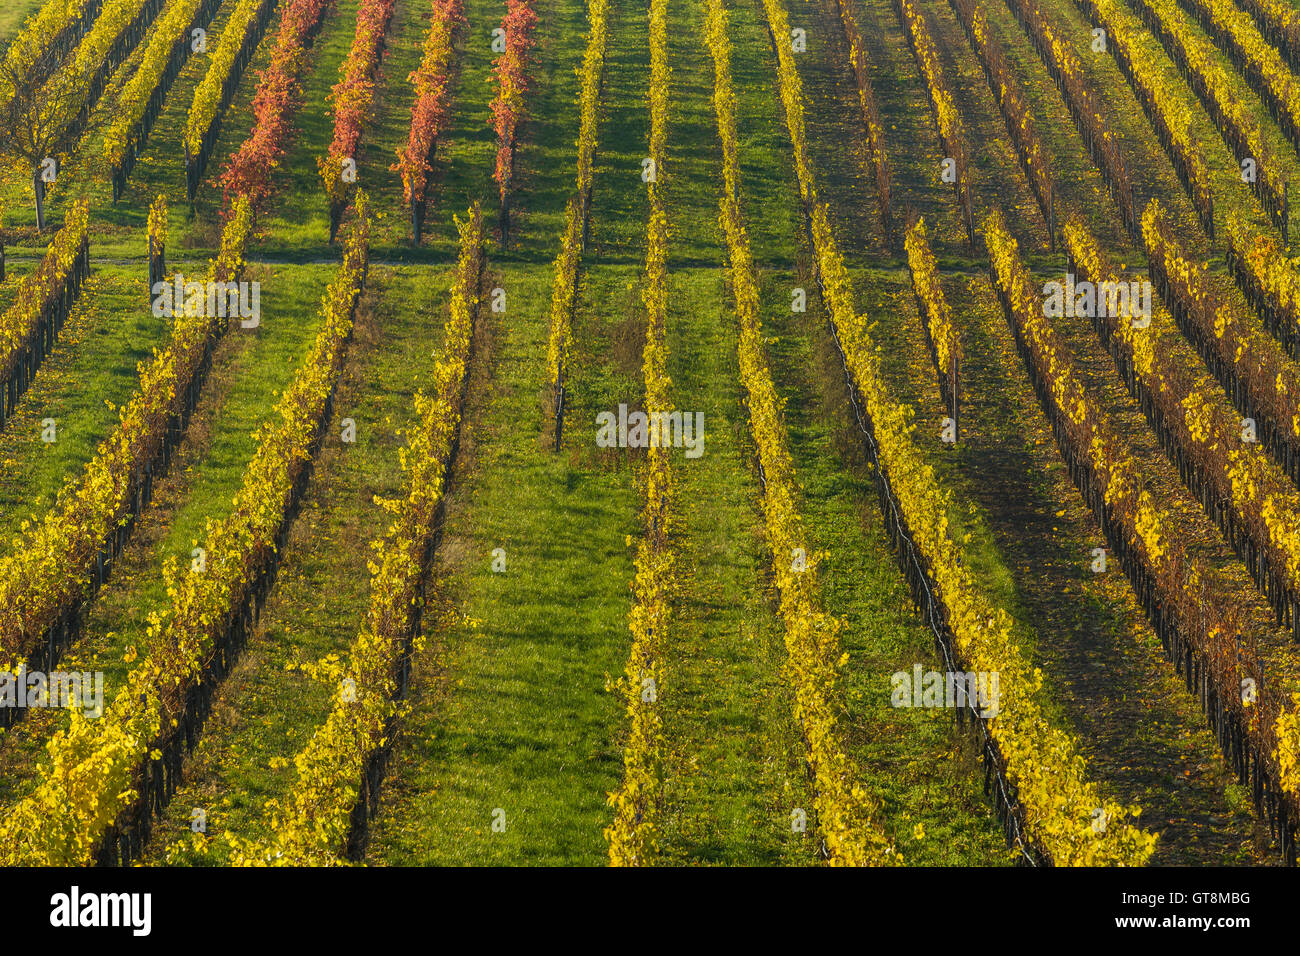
[
  {"x": 954, "y": 387},
  {"x": 968, "y": 210},
  {"x": 504, "y": 219},
  {"x": 157, "y": 261},
  {"x": 559, "y": 409},
  {"x": 417, "y": 218},
  {"x": 507, "y": 181},
  {"x": 586, "y": 215},
  {"x": 1051, "y": 216},
  {"x": 38, "y": 187},
  {"x": 336, "y": 218}
]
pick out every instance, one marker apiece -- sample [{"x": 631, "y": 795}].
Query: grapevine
[
  {"x": 633, "y": 834},
  {"x": 431, "y": 110},
  {"x": 511, "y": 77},
  {"x": 351, "y": 97},
  {"x": 564, "y": 286}
]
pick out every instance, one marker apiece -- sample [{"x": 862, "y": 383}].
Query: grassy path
[
  {"x": 12, "y": 16},
  {"x": 510, "y": 709},
  {"x": 547, "y": 137},
  {"x": 111, "y": 330},
  {"x": 618, "y": 196},
  {"x": 733, "y": 770}
]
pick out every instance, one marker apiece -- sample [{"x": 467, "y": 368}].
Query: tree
[{"x": 44, "y": 114}]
